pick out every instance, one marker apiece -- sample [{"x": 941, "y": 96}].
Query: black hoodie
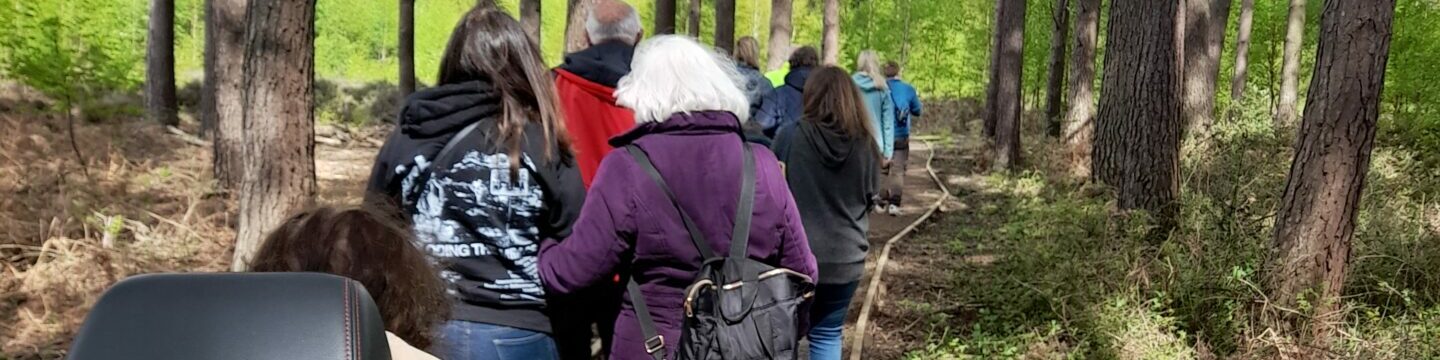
[
  {"x": 483, "y": 227},
  {"x": 603, "y": 63},
  {"x": 833, "y": 178}
]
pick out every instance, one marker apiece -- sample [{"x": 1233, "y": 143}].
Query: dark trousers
[
  {"x": 571, "y": 317},
  {"x": 893, "y": 191}
]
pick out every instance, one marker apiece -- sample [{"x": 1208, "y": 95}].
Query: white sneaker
[{"x": 893, "y": 210}]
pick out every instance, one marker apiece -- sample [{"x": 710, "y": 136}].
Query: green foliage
[{"x": 73, "y": 50}]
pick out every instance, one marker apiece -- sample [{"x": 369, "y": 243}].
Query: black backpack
[{"x": 737, "y": 308}]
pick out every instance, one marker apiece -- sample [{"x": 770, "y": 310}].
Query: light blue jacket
[{"x": 882, "y": 112}]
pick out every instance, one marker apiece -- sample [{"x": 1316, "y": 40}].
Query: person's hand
[{"x": 885, "y": 165}]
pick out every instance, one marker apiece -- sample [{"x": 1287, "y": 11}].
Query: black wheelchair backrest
[{"x": 233, "y": 316}]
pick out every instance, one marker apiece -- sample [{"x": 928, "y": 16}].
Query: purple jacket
[{"x": 628, "y": 226}]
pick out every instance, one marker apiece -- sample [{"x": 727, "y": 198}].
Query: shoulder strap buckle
[{"x": 655, "y": 343}]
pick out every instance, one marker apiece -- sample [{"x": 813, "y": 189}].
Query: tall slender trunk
[
  {"x": 1204, "y": 40},
  {"x": 1080, "y": 118},
  {"x": 1290, "y": 70},
  {"x": 830, "y": 35},
  {"x": 407, "y": 47},
  {"x": 1055, "y": 84},
  {"x": 1316, "y": 220},
  {"x": 1137, "y": 133},
  {"x": 160, "y": 104},
  {"x": 693, "y": 21},
  {"x": 1242, "y": 54},
  {"x": 578, "y": 10},
  {"x": 224, "y": 61},
  {"x": 991, "y": 85},
  {"x": 530, "y": 18},
  {"x": 1010, "y": 46},
  {"x": 725, "y": 25},
  {"x": 664, "y": 16},
  {"x": 279, "y": 147},
  {"x": 780, "y": 32}
]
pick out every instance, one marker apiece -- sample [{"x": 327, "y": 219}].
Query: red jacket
[{"x": 591, "y": 117}]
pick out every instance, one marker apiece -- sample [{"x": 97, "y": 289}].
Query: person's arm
[
  {"x": 380, "y": 189},
  {"x": 915, "y": 107},
  {"x": 795, "y": 251},
  {"x": 887, "y": 123},
  {"x": 601, "y": 238},
  {"x": 564, "y": 195},
  {"x": 769, "y": 114}
]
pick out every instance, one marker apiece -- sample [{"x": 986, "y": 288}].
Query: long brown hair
[
  {"x": 747, "y": 51},
  {"x": 370, "y": 248},
  {"x": 490, "y": 45},
  {"x": 832, "y": 100}
]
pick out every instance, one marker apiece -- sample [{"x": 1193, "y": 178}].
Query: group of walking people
[{"x": 524, "y": 220}]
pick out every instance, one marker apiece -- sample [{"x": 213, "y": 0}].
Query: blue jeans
[
  {"x": 827, "y": 319},
  {"x": 464, "y": 340}
]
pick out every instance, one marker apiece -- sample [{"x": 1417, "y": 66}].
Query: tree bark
[
  {"x": 1080, "y": 118},
  {"x": 160, "y": 64},
  {"x": 407, "y": 47},
  {"x": 1290, "y": 68},
  {"x": 780, "y": 32},
  {"x": 1055, "y": 84},
  {"x": 830, "y": 38},
  {"x": 987, "y": 113},
  {"x": 1242, "y": 54},
  {"x": 530, "y": 18},
  {"x": 725, "y": 25},
  {"x": 1010, "y": 61},
  {"x": 1204, "y": 41},
  {"x": 1137, "y": 133},
  {"x": 224, "y": 58},
  {"x": 1316, "y": 220},
  {"x": 577, "y": 11},
  {"x": 693, "y": 21},
  {"x": 279, "y": 147},
  {"x": 664, "y": 17}
]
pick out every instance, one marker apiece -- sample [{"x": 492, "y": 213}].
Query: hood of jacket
[
  {"x": 865, "y": 82},
  {"x": 797, "y": 77},
  {"x": 445, "y": 109},
  {"x": 832, "y": 146},
  {"x": 603, "y": 63}
]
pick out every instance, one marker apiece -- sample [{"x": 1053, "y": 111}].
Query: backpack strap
[
  {"x": 455, "y": 140},
  {"x": 696, "y": 237},
  {"x": 745, "y": 208}
]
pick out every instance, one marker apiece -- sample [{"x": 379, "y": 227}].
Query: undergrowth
[{"x": 1072, "y": 278}]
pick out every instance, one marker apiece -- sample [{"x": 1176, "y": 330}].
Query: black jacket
[{"x": 482, "y": 224}]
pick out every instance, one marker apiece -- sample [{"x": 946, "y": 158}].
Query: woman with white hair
[
  {"x": 688, "y": 107},
  {"x": 875, "y": 89}
]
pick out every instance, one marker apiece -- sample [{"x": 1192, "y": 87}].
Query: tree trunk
[
  {"x": 224, "y": 55},
  {"x": 988, "y": 112},
  {"x": 407, "y": 47},
  {"x": 160, "y": 64},
  {"x": 1316, "y": 220},
  {"x": 1010, "y": 46},
  {"x": 1137, "y": 133},
  {"x": 279, "y": 147},
  {"x": 530, "y": 18},
  {"x": 830, "y": 38},
  {"x": 1204, "y": 40},
  {"x": 1055, "y": 84},
  {"x": 575, "y": 33},
  {"x": 725, "y": 25},
  {"x": 1080, "y": 119},
  {"x": 664, "y": 17},
  {"x": 693, "y": 21},
  {"x": 1242, "y": 54},
  {"x": 1290, "y": 68},
  {"x": 780, "y": 32}
]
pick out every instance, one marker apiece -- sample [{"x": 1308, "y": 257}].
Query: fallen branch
[{"x": 186, "y": 137}]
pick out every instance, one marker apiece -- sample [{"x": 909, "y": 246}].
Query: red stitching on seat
[{"x": 346, "y": 304}]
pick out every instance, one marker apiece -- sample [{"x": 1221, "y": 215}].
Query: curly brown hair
[{"x": 371, "y": 248}]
